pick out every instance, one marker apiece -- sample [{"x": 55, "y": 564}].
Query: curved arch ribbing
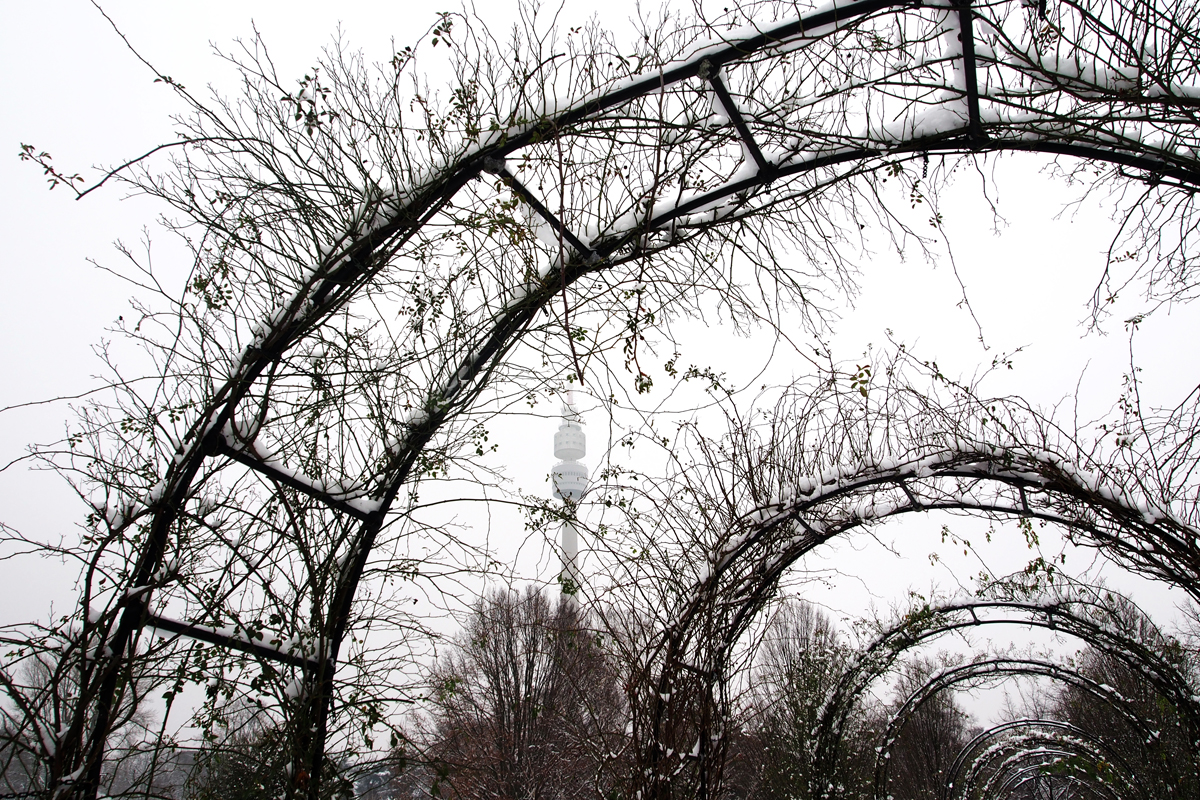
[{"x": 747, "y": 157}]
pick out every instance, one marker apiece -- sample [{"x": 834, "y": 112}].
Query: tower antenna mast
[{"x": 570, "y": 480}]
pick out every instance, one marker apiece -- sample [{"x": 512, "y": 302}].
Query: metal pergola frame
[{"x": 338, "y": 281}]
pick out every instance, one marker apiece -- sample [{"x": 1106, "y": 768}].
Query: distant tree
[
  {"x": 798, "y": 665},
  {"x": 526, "y": 703},
  {"x": 245, "y": 765},
  {"x": 930, "y": 739},
  {"x": 245, "y": 755},
  {"x": 1161, "y": 745}
]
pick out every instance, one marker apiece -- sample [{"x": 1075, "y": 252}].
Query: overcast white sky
[{"x": 70, "y": 87}]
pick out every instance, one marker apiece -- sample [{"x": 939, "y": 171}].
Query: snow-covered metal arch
[
  {"x": 958, "y": 80},
  {"x": 1080, "y": 614},
  {"x": 1041, "y": 774},
  {"x": 996, "y": 667},
  {"x": 1003, "y": 746},
  {"x": 975, "y": 479}
]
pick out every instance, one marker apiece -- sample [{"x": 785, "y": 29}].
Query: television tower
[{"x": 570, "y": 481}]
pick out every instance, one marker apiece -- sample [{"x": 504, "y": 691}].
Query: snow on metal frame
[
  {"x": 1010, "y": 739},
  {"x": 1076, "y": 611},
  {"x": 976, "y": 91},
  {"x": 983, "y": 671},
  {"x": 980, "y": 480}
]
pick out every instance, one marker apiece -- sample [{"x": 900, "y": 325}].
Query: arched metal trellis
[
  {"x": 1040, "y": 779},
  {"x": 753, "y": 123},
  {"x": 1001, "y": 749},
  {"x": 1072, "y": 614},
  {"x": 747, "y": 569},
  {"x": 998, "y": 667}
]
